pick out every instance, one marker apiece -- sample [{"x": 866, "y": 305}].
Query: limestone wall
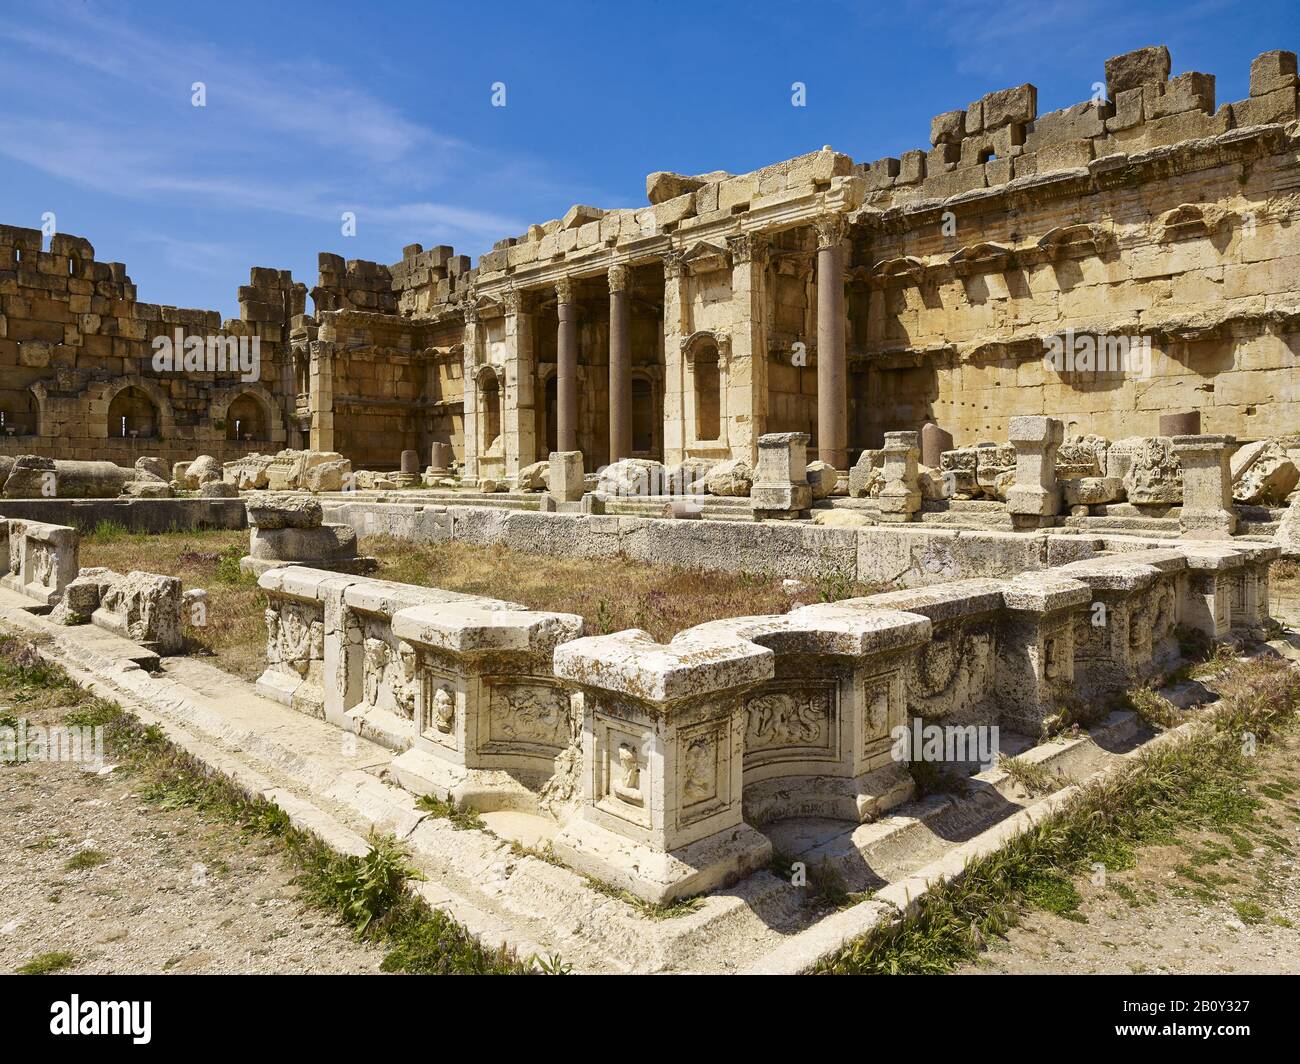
[{"x": 74, "y": 338}]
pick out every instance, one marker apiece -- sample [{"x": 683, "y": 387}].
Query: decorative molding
[{"x": 564, "y": 290}]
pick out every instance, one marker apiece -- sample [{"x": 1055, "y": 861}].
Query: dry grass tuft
[{"x": 610, "y": 594}]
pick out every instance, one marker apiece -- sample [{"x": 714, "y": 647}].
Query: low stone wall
[
  {"x": 136, "y": 515},
  {"x": 463, "y": 684},
  {"x": 658, "y": 759},
  {"x": 909, "y": 555}
]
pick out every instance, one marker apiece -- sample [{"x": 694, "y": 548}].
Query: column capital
[
  {"x": 470, "y": 311},
  {"x": 564, "y": 290},
  {"x": 747, "y": 248},
  {"x": 674, "y": 264},
  {"x": 831, "y": 230},
  {"x": 515, "y": 300},
  {"x": 620, "y": 278}
]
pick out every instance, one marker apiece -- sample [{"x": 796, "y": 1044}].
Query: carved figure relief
[
  {"x": 626, "y": 781},
  {"x": 531, "y": 714},
  {"x": 787, "y": 718},
  {"x": 442, "y": 711},
  {"x": 700, "y": 768}
]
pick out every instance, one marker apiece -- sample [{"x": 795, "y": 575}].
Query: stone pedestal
[
  {"x": 900, "y": 498},
  {"x": 288, "y": 530},
  {"x": 1207, "y": 486},
  {"x": 41, "y": 559},
  {"x": 781, "y": 489},
  {"x": 440, "y": 459},
  {"x": 1207, "y": 598},
  {"x": 662, "y": 750},
  {"x": 490, "y": 718},
  {"x": 1036, "y": 646},
  {"x": 566, "y": 477},
  {"x": 1034, "y": 499}
]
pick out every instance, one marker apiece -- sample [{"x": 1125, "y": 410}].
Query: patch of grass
[
  {"x": 1154, "y": 710},
  {"x": 45, "y": 963},
  {"x": 359, "y": 890},
  {"x": 30, "y": 679},
  {"x": 85, "y": 859},
  {"x": 1249, "y": 913},
  {"x": 1195, "y": 783},
  {"x": 646, "y": 908},
  {"x": 228, "y": 570},
  {"x": 461, "y": 819},
  {"x": 1035, "y": 779},
  {"x": 611, "y": 594},
  {"x": 107, "y": 532}
]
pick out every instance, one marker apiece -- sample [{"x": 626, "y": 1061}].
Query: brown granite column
[
  {"x": 832, "y": 372},
  {"x": 620, "y": 366},
  {"x": 566, "y": 370}
]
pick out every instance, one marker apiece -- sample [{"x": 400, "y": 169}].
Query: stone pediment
[
  {"x": 704, "y": 257},
  {"x": 983, "y": 257},
  {"x": 905, "y": 268},
  {"x": 1070, "y": 240}
]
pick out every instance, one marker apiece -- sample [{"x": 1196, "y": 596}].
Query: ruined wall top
[{"x": 993, "y": 141}]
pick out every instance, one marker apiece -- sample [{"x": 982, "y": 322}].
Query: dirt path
[
  {"x": 89, "y": 867},
  {"x": 1206, "y": 903}
]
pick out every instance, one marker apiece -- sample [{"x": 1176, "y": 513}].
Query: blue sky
[{"x": 385, "y": 109}]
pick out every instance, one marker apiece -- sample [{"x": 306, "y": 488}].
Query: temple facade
[{"x": 821, "y": 294}]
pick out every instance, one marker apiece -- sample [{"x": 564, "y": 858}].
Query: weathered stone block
[{"x": 1134, "y": 69}]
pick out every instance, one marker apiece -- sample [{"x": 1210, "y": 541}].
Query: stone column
[
  {"x": 1035, "y": 498},
  {"x": 566, "y": 371},
  {"x": 663, "y": 732},
  {"x": 832, "y": 370},
  {"x": 620, "y": 365},
  {"x": 781, "y": 488},
  {"x": 674, "y": 330},
  {"x": 518, "y": 413},
  {"x": 470, "y": 360},
  {"x": 900, "y": 498},
  {"x": 934, "y": 441},
  {"x": 321, "y": 396},
  {"x": 1207, "y": 511},
  {"x": 746, "y": 376}
]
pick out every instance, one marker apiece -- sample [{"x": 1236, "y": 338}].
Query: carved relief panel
[
  {"x": 703, "y": 770},
  {"x": 883, "y": 707},
  {"x": 792, "y": 720},
  {"x": 623, "y": 783},
  {"x": 527, "y": 718}
]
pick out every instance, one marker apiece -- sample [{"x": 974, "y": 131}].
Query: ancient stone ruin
[{"x": 1036, "y": 380}]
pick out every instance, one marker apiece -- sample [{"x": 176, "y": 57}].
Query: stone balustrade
[{"x": 671, "y": 755}]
